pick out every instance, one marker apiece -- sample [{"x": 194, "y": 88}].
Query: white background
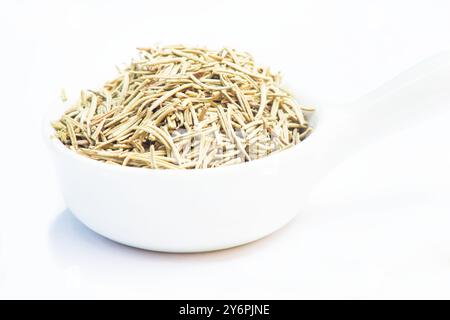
[{"x": 378, "y": 226}]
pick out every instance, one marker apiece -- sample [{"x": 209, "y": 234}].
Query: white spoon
[{"x": 211, "y": 209}]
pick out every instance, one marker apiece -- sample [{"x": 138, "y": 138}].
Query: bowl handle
[{"x": 414, "y": 96}]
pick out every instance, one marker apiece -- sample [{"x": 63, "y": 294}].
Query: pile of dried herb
[{"x": 179, "y": 107}]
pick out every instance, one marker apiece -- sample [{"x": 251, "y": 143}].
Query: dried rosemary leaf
[{"x": 178, "y": 107}]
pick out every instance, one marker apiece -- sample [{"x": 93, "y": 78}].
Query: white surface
[{"x": 378, "y": 225}]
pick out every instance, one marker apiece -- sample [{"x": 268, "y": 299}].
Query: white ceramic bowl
[
  {"x": 183, "y": 210},
  {"x": 211, "y": 209}
]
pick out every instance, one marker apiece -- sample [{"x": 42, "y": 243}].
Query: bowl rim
[{"x": 56, "y": 145}]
